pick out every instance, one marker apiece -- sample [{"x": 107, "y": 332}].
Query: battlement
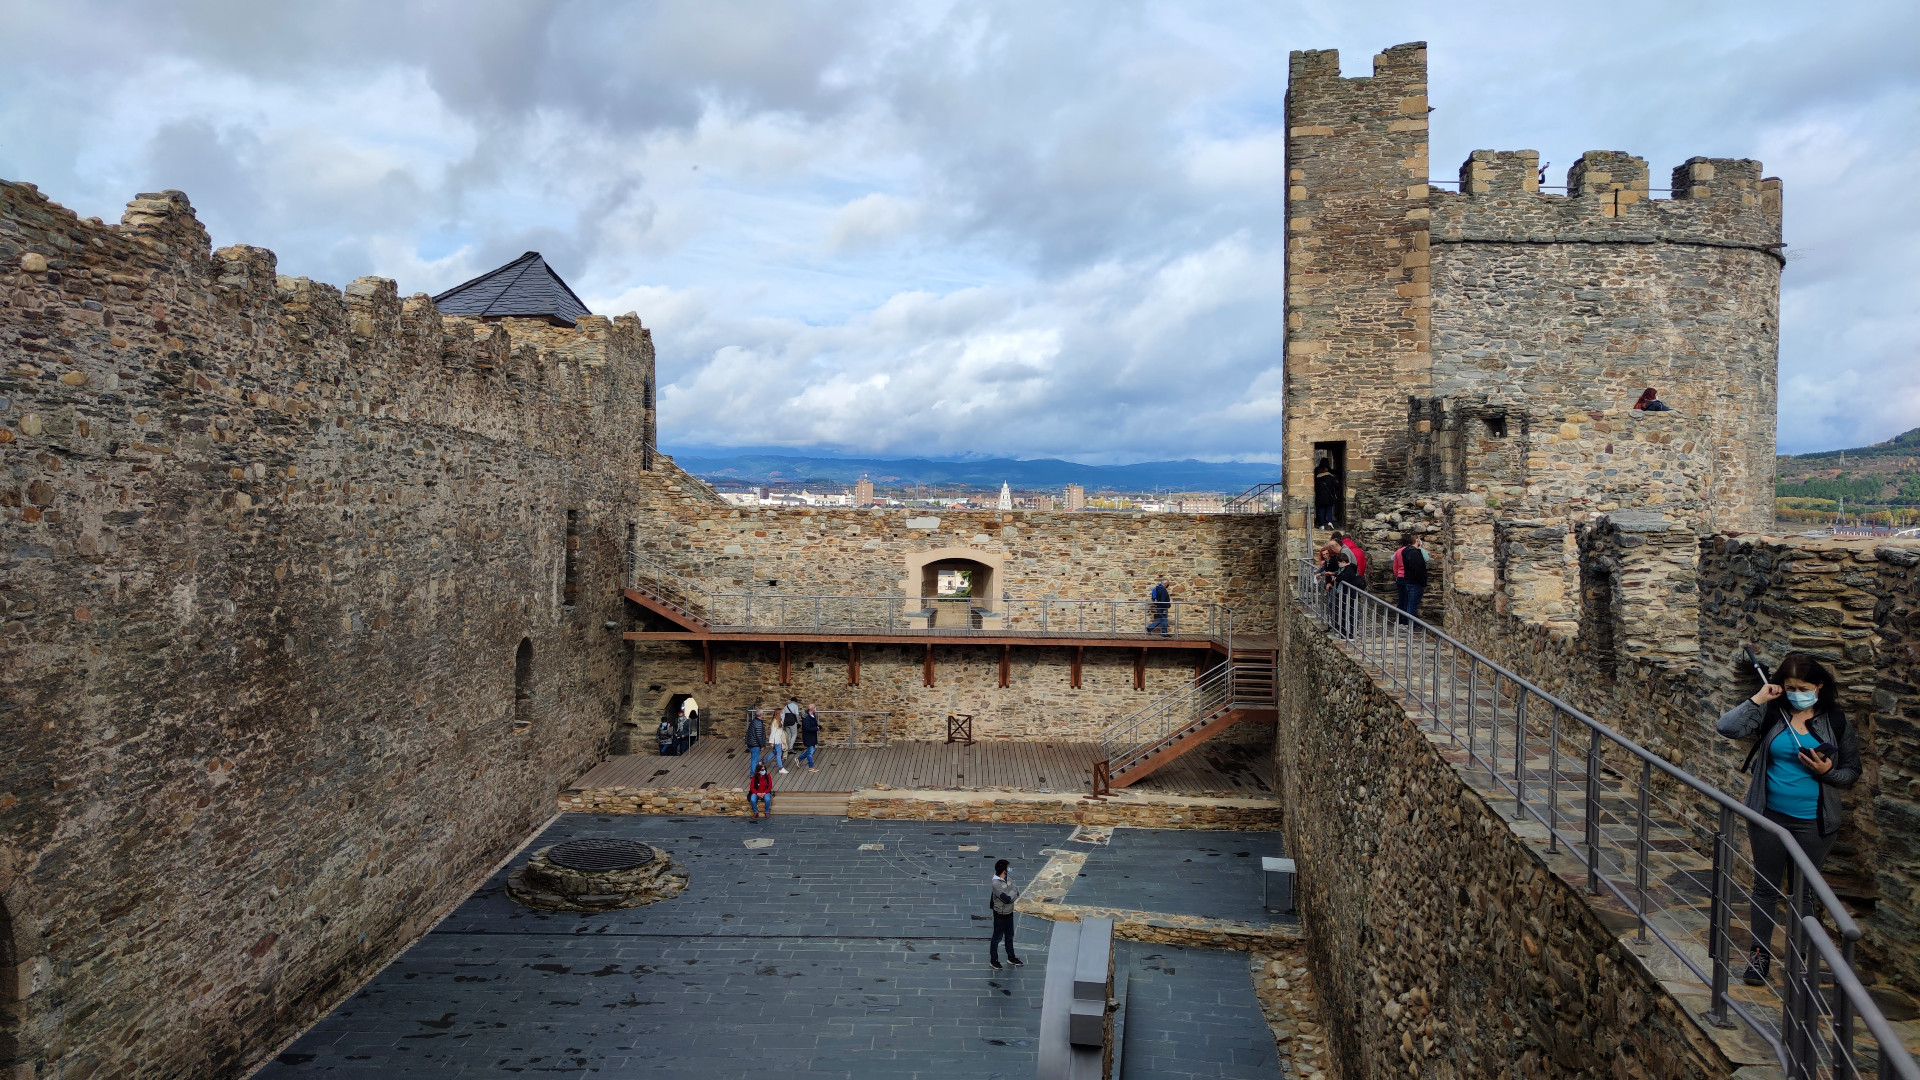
[
  {"x": 149, "y": 299},
  {"x": 1608, "y": 199},
  {"x": 1400, "y": 64}
]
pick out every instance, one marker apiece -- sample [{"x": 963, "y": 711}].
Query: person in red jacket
[
  {"x": 760, "y": 793},
  {"x": 1354, "y": 549}
]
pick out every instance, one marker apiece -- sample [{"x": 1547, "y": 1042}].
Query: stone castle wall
[
  {"x": 1449, "y": 340},
  {"x": 1442, "y": 944},
  {"x": 271, "y": 550},
  {"x": 1056, "y": 556}
]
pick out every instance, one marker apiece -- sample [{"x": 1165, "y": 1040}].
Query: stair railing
[
  {"x": 1652, "y": 835},
  {"x": 1236, "y": 684}
]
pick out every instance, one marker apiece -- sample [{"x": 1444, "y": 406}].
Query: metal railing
[
  {"x": 1655, "y": 840},
  {"x": 753, "y": 610},
  {"x": 1235, "y": 684},
  {"x": 1258, "y": 499}
]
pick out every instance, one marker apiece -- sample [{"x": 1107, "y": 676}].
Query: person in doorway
[
  {"x": 810, "y": 735},
  {"x": 1805, "y": 755},
  {"x": 1001, "y": 897},
  {"x": 690, "y": 712},
  {"x": 783, "y": 736},
  {"x": 1410, "y": 574},
  {"x": 760, "y": 793},
  {"x": 756, "y": 740},
  {"x": 1650, "y": 401},
  {"x": 1159, "y": 603},
  {"x": 1326, "y": 494},
  {"x": 682, "y": 732},
  {"x": 664, "y": 736}
]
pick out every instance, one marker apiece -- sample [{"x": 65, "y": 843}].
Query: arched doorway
[
  {"x": 523, "y": 686},
  {"x": 961, "y": 586}
]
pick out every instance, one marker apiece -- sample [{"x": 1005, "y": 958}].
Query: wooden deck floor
[{"x": 1021, "y": 766}]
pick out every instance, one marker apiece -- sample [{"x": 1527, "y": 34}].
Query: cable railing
[
  {"x": 1160, "y": 723},
  {"x": 753, "y": 610},
  {"x": 1658, "y": 843}
]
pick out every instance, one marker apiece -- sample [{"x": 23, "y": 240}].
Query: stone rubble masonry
[
  {"x": 1138, "y": 809},
  {"x": 1285, "y": 987},
  {"x": 269, "y": 550},
  {"x": 1358, "y": 297},
  {"x": 1654, "y": 650},
  {"x": 1441, "y": 943},
  {"x": 1217, "y": 558},
  {"x": 1416, "y": 315}
]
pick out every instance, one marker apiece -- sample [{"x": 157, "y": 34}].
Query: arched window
[{"x": 523, "y": 686}]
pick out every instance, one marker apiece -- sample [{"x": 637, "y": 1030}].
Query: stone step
[{"x": 826, "y": 803}]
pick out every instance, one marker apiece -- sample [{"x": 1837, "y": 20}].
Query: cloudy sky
[{"x": 1036, "y": 229}]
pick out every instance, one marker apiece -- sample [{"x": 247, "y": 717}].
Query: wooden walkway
[{"x": 999, "y": 763}]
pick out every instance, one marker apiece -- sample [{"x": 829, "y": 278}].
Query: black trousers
[
  {"x": 1002, "y": 931},
  {"x": 1770, "y": 864}
]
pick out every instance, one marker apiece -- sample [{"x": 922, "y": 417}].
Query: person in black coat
[
  {"x": 1342, "y": 600},
  {"x": 1326, "y": 494},
  {"x": 1804, "y": 755}
]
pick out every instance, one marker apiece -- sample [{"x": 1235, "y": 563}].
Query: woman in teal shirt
[{"x": 1806, "y": 755}]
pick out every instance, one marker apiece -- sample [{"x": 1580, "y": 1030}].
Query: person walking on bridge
[
  {"x": 1159, "y": 604},
  {"x": 1805, "y": 756},
  {"x": 1001, "y": 898}
]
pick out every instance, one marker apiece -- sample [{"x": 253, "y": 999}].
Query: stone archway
[{"x": 985, "y": 569}]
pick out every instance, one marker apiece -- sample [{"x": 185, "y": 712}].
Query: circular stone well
[{"x": 596, "y": 875}]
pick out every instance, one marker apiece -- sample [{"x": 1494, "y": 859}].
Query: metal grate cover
[{"x": 592, "y": 855}]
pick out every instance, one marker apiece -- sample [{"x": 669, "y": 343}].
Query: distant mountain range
[
  {"x": 1035, "y": 474},
  {"x": 1884, "y": 474}
]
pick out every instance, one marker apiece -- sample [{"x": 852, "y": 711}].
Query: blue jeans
[
  {"x": 680, "y": 744},
  {"x": 1410, "y": 596},
  {"x": 753, "y": 759},
  {"x": 806, "y": 750},
  {"x": 779, "y": 758},
  {"x": 764, "y": 803},
  {"x": 1159, "y": 622}
]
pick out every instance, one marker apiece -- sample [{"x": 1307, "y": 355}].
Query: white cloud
[{"x": 932, "y": 226}]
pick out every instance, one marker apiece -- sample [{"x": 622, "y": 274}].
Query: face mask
[{"x": 1802, "y": 699}]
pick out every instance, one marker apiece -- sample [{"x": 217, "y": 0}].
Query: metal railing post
[
  {"x": 1473, "y": 695},
  {"x": 1718, "y": 916},
  {"x": 1795, "y": 1013},
  {"x": 1640, "y": 852},
  {"x": 1520, "y": 755},
  {"x": 1593, "y": 814},
  {"x": 1553, "y": 782}
]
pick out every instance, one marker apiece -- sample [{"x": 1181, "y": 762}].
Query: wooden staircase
[
  {"x": 1242, "y": 690},
  {"x": 667, "y": 595}
]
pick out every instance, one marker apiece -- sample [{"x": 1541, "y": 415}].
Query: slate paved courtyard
[
  {"x": 808, "y": 957},
  {"x": 1215, "y": 875}
]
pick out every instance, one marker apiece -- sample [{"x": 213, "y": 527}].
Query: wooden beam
[
  {"x": 1006, "y": 664},
  {"x": 926, "y": 673},
  {"x": 1140, "y": 670},
  {"x": 853, "y": 663},
  {"x": 1200, "y": 664},
  {"x": 1079, "y": 654},
  {"x": 706, "y": 647},
  {"x": 786, "y": 666}
]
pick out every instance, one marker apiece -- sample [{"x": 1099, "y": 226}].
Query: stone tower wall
[
  {"x": 1357, "y": 291},
  {"x": 269, "y": 551},
  {"x": 1410, "y": 307},
  {"x": 1564, "y": 307}
]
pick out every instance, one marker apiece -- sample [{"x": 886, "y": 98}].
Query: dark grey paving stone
[
  {"x": 1214, "y": 875},
  {"x": 1192, "y": 1015}
]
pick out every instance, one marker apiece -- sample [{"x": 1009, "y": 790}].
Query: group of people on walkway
[
  {"x": 1342, "y": 561},
  {"x": 796, "y": 730}
]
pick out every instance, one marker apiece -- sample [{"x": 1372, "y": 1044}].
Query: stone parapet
[{"x": 1123, "y": 808}]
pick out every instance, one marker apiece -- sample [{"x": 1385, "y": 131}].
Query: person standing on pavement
[
  {"x": 1001, "y": 897},
  {"x": 1805, "y": 756},
  {"x": 1410, "y": 574},
  {"x": 756, "y": 740},
  {"x": 810, "y": 734}
]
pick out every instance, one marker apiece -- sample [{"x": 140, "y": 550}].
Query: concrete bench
[{"x": 1082, "y": 1008}]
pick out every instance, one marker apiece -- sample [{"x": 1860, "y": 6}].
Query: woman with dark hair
[
  {"x": 1650, "y": 401},
  {"x": 1806, "y": 754}
]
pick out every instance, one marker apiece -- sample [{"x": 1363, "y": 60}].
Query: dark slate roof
[{"x": 524, "y": 288}]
